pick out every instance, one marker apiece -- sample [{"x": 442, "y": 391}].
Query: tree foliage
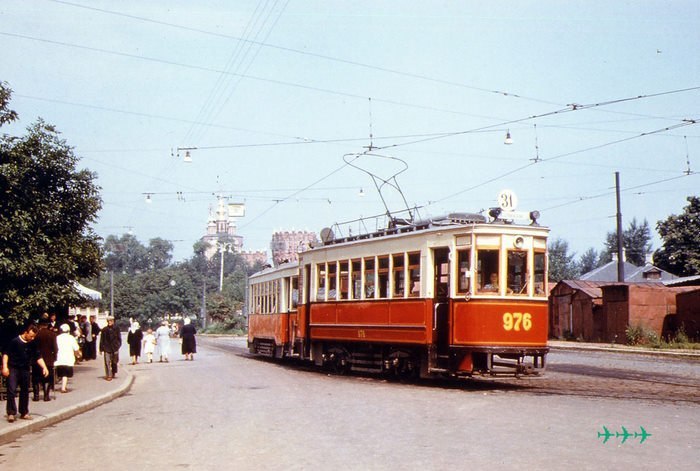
[
  {"x": 680, "y": 252},
  {"x": 147, "y": 287},
  {"x": 126, "y": 254},
  {"x": 635, "y": 240},
  {"x": 561, "y": 262},
  {"x": 47, "y": 206},
  {"x": 589, "y": 261}
]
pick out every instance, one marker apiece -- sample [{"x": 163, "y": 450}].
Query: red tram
[{"x": 452, "y": 296}]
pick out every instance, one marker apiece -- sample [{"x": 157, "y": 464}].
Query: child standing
[{"x": 149, "y": 344}]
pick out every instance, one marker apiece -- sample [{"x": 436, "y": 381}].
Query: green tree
[
  {"x": 47, "y": 206},
  {"x": 589, "y": 261},
  {"x": 635, "y": 240},
  {"x": 159, "y": 253},
  {"x": 125, "y": 254},
  {"x": 561, "y": 263},
  {"x": 680, "y": 252}
]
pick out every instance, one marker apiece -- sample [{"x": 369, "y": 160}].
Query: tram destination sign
[{"x": 514, "y": 215}]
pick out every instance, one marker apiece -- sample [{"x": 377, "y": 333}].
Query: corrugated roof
[
  {"x": 591, "y": 288},
  {"x": 633, "y": 273}
]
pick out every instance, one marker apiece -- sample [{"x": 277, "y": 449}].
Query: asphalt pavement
[{"x": 88, "y": 388}]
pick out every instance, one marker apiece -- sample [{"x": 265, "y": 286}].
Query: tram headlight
[
  {"x": 534, "y": 216},
  {"x": 495, "y": 212}
]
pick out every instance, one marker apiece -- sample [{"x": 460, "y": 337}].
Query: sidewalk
[
  {"x": 616, "y": 348},
  {"x": 87, "y": 389}
]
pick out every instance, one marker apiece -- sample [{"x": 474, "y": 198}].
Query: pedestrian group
[{"x": 48, "y": 350}]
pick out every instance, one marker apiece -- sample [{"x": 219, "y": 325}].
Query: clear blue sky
[{"x": 126, "y": 82}]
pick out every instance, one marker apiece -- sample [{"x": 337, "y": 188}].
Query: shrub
[{"x": 641, "y": 335}]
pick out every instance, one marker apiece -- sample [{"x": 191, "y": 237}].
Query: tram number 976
[{"x": 517, "y": 321}]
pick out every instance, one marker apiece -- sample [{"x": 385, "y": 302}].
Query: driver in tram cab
[{"x": 492, "y": 285}]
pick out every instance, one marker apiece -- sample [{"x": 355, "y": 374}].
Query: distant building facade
[
  {"x": 286, "y": 245},
  {"x": 221, "y": 232}
]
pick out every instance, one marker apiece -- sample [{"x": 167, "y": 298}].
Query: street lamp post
[{"x": 224, "y": 248}]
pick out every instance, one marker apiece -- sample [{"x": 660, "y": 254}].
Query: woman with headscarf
[
  {"x": 134, "y": 338},
  {"x": 163, "y": 341},
  {"x": 65, "y": 358},
  {"x": 189, "y": 343}
]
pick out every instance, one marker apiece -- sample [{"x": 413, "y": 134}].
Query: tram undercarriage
[{"x": 425, "y": 362}]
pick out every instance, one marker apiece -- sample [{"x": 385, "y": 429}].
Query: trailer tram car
[{"x": 454, "y": 296}]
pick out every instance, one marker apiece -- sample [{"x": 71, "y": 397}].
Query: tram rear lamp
[
  {"x": 519, "y": 242},
  {"x": 534, "y": 216}
]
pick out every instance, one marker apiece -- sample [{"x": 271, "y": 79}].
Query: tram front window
[
  {"x": 517, "y": 272},
  {"x": 487, "y": 261}
]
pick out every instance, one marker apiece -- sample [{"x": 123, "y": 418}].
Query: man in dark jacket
[
  {"x": 93, "y": 330},
  {"x": 19, "y": 355},
  {"x": 110, "y": 342},
  {"x": 48, "y": 349}
]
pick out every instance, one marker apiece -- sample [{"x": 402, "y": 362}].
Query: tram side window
[
  {"x": 414, "y": 274},
  {"x": 356, "y": 277},
  {"x": 463, "y": 271},
  {"x": 399, "y": 276},
  {"x": 265, "y": 296},
  {"x": 321, "y": 282},
  {"x": 369, "y": 278},
  {"x": 539, "y": 273},
  {"x": 343, "y": 280},
  {"x": 294, "y": 293},
  {"x": 383, "y": 277},
  {"x": 487, "y": 262},
  {"x": 255, "y": 307},
  {"x": 275, "y": 296},
  {"x": 332, "y": 288},
  {"x": 517, "y": 272}
]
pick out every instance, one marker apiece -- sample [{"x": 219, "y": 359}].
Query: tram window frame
[
  {"x": 332, "y": 280},
  {"x": 369, "y": 290},
  {"x": 399, "y": 270},
  {"x": 321, "y": 272},
  {"x": 491, "y": 266},
  {"x": 518, "y": 270},
  {"x": 343, "y": 279},
  {"x": 463, "y": 271},
  {"x": 414, "y": 278},
  {"x": 383, "y": 276},
  {"x": 356, "y": 278},
  {"x": 540, "y": 279}
]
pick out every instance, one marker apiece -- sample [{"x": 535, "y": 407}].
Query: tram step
[
  {"x": 438, "y": 370},
  {"x": 366, "y": 370}
]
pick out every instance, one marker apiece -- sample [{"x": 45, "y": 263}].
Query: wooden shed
[
  {"x": 649, "y": 305},
  {"x": 688, "y": 313},
  {"x": 602, "y": 311},
  {"x": 576, "y": 310}
]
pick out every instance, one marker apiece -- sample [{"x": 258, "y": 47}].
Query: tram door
[{"x": 441, "y": 304}]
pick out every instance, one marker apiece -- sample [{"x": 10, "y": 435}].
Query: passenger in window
[{"x": 492, "y": 285}]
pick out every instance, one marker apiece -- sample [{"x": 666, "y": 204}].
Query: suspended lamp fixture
[{"x": 509, "y": 140}]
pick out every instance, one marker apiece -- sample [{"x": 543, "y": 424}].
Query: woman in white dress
[{"x": 163, "y": 341}]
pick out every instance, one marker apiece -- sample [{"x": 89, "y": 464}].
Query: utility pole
[
  {"x": 203, "y": 310},
  {"x": 224, "y": 249},
  {"x": 620, "y": 260},
  {"x": 111, "y": 293}
]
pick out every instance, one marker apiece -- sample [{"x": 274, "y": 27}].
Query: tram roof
[{"x": 441, "y": 223}]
